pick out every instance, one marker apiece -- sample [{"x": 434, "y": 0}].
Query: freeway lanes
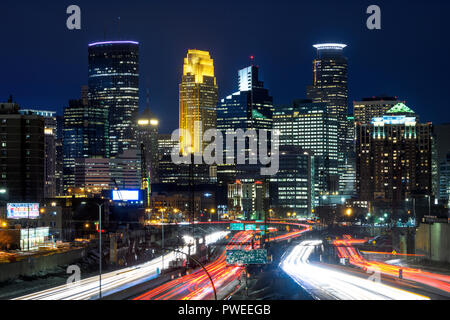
[
  {"x": 329, "y": 284},
  {"x": 113, "y": 281},
  {"x": 347, "y": 250},
  {"x": 197, "y": 285}
]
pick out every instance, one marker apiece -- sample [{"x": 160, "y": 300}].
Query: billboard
[
  {"x": 22, "y": 210},
  {"x": 125, "y": 195}
]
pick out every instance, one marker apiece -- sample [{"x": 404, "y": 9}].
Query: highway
[
  {"x": 197, "y": 285},
  {"x": 347, "y": 250},
  {"x": 328, "y": 284},
  {"x": 117, "y": 280}
]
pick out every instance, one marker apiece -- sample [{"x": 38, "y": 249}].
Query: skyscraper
[
  {"x": 114, "y": 92},
  {"x": 310, "y": 126},
  {"x": 394, "y": 157},
  {"x": 197, "y": 99},
  {"x": 330, "y": 87},
  {"x": 249, "y": 108}
]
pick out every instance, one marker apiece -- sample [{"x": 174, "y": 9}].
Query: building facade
[
  {"x": 394, "y": 157},
  {"x": 369, "y": 108},
  {"x": 50, "y": 134},
  {"x": 310, "y": 126},
  {"x": 197, "y": 99},
  {"x": 22, "y": 154},
  {"x": 249, "y": 108},
  {"x": 114, "y": 92},
  {"x": 292, "y": 187},
  {"x": 330, "y": 87}
]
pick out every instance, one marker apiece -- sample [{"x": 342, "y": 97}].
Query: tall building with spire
[
  {"x": 197, "y": 99},
  {"x": 114, "y": 91},
  {"x": 330, "y": 87}
]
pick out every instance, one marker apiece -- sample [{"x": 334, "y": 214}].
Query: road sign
[
  {"x": 256, "y": 256},
  {"x": 237, "y": 226},
  {"x": 250, "y": 227}
]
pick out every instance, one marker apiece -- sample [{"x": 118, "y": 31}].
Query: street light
[{"x": 100, "y": 205}]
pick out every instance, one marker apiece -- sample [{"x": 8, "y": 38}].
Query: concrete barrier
[{"x": 33, "y": 266}]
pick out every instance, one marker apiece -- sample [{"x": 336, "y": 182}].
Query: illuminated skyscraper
[
  {"x": 114, "y": 91},
  {"x": 197, "y": 99},
  {"x": 330, "y": 87},
  {"x": 249, "y": 108},
  {"x": 310, "y": 126},
  {"x": 394, "y": 158}
]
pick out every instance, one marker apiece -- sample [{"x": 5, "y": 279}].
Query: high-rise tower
[
  {"x": 330, "y": 87},
  {"x": 197, "y": 99},
  {"x": 114, "y": 91}
]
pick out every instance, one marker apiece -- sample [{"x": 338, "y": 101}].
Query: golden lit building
[{"x": 198, "y": 99}]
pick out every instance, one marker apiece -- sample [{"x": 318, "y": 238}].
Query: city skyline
[{"x": 287, "y": 69}]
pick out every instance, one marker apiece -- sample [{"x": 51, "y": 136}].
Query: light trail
[
  {"x": 346, "y": 249},
  {"x": 114, "y": 281},
  {"x": 197, "y": 285},
  {"x": 325, "y": 283}
]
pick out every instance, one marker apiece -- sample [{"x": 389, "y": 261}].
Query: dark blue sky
[{"x": 43, "y": 64}]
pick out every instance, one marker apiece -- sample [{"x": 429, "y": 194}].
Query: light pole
[
  {"x": 100, "y": 245},
  {"x": 100, "y": 205},
  {"x": 162, "y": 237}
]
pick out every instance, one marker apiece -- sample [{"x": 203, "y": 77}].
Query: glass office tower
[
  {"x": 330, "y": 87},
  {"x": 249, "y": 108},
  {"x": 114, "y": 91}
]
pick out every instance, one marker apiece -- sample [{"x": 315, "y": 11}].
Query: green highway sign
[
  {"x": 237, "y": 226},
  {"x": 250, "y": 227},
  {"x": 239, "y": 257}
]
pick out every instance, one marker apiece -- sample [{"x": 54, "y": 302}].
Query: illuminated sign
[
  {"x": 250, "y": 227},
  {"x": 22, "y": 210},
  {"x": 125, "y": 195},
  {"x": 237, "y": 226},
  {"x": 239, "y": 257},
  {"x": 380, "y": 121}
]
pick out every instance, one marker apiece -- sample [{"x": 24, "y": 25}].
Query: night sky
[{"x": 43, "y": 64}]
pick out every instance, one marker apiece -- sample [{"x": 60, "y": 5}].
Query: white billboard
[
  {"x": 125, "y": 195},
  {"x": 22, "y": 210}
]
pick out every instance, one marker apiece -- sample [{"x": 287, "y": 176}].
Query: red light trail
[
  {"x": 346, "y": 250},
  {"x": 197, "y": 285}
]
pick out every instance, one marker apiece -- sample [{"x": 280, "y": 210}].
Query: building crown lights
[{"x": 329, "y": 46}]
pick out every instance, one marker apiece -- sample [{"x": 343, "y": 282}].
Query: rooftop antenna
[
  {"x": 148, "y": 99},
  {"x": 252, "y": 58},
  {"x": 118, "y": 25}
]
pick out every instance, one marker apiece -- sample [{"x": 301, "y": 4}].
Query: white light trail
[
  {"x": 324, "y": 283},
  {"x": 117, "y": 280}
]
